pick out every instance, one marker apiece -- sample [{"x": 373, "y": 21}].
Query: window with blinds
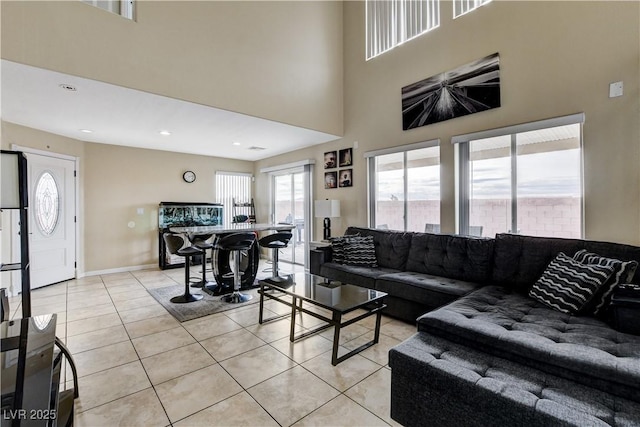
[
  {"x": 123, "y": 8},
  {"x": 230, "y": 185},
  {"x": 461, "y": 7},
  {"x": 393, "y": 22}
]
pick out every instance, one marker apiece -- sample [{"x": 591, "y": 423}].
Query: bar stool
[
  {"x": 276, "y": 241},
  {"x": 236, "y": 243},
  {"x": 200, "y": 241},
  {"x": 174, "y": 243}
]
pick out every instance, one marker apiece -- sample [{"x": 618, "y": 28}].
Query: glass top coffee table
[{"x": 337, "y": 297}]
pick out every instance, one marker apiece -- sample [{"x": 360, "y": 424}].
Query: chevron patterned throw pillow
[
  {"x": 567, "y": 285},
  {"x": 360, "y": 251}
]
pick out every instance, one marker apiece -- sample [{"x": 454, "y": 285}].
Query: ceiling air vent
[{"x": 256, "y": 148}]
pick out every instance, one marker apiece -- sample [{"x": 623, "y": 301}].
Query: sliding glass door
[{"x": 289, "y": 203}]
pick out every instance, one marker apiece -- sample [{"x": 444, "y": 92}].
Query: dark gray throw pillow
[
  {"x": 623, "y": 272},
  {"x": 360, "y": 251},
  {"x": 568, "y": 285}
]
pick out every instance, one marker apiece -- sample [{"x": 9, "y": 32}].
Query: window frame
[
  {"x": 370, "y": 156},
  {"x": 463, "y": 174},
  {"x": 395, "y": 22}
]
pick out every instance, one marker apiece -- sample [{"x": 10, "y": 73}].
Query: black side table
[{"x": 625, "y": 305}]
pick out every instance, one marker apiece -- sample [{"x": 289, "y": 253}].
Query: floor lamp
[{"x": 327, "y": 209}]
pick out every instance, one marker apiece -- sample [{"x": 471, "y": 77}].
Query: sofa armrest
[{"x": 317, "y": 257}]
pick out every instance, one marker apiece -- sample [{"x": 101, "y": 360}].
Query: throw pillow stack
[
  {"x": 354, "y": 250},
  {"x": 582, "y": 284}
]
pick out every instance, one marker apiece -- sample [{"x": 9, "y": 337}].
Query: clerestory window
[
  {"x": 389, "y": 23},
  {"x": 462, "y": 7},
  {"x": 123, "y": 8}
]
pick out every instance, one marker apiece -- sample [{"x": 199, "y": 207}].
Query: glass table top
[
  {"x": 327, "y": 293},
  {"x": 27, "y": 362}
]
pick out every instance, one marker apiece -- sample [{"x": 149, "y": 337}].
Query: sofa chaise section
[
  {"x": 498, "y": 357},
  {"x": 507, "y": 324},
  {"x": 441, "y": 383}
]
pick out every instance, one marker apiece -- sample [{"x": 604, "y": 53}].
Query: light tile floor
[{"x": 138, "y": 366}]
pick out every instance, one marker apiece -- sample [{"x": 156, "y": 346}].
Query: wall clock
[{"x": 189, "y": 176}]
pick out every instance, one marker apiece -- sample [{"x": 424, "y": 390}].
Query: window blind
[
  {"x": 230, "y": 185},
  {"x": 393, "y": 22},
  {"x": 460, "y": 7}
]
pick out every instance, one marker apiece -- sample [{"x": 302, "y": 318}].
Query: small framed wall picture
[
  {"x": 344, "y": 159},
  {"x": 345, "y": 178},
  {"x": 330, "y": 159},
  {"x": 330, "y": 179}
]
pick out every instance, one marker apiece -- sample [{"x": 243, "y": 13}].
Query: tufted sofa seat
[
  {"x": 497, "y": 357},
  {"x": 442, "y": 383},
  {"x": 419, "y": 271},
  {"x": 583, "y": 349},
  {"x": 485, "y": 353},
  {"x": 423, "y": 288}
]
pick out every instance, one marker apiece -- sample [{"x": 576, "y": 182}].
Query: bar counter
[
  {"x": 220, "y": 258},
  {"x": 221, "y": 229}
]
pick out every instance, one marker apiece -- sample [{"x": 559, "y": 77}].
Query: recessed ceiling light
[
  {"x": 86, "y": 131},
  {"x": 164, "y": 132},
  {"x": 235, "y": 143},
  {"x": 68, "y": 87}
]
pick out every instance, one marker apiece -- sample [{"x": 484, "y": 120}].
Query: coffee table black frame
[{"x": 305, "y": 287}]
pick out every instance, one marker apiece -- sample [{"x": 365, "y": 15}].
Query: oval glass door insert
[{"x": 47, "y": 202}]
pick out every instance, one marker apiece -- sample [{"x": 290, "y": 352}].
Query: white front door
[{"x": 52, "y": 231}]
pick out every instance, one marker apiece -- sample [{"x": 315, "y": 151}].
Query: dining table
[{"x": 220, "y": 258}]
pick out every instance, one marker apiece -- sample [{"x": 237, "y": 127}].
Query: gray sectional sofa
[
  {"x": 485, "y": 353},
  {"x": 419, "y": 271}
]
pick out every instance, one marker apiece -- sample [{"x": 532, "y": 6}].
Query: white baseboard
[{"x": 118, "y": 270}]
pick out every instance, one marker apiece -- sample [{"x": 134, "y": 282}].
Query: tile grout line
[
  {"x": 216, "y": 361},
  {"x": 153, "y": 386},
  {"x": 116, "y": 366},
  {"x": 379, "y": 367}
]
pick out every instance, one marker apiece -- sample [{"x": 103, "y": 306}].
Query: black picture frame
[
  {"x": 331, "y": 180},
  {"x": 345, "y": 178},
  {"x": 330, "y": 159},
  {"x": 345, "y": 157}
]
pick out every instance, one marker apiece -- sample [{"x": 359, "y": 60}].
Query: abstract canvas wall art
[{"x": 468, "y": 89}]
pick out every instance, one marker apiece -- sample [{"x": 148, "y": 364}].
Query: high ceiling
[{"x": 45, "y": 100}]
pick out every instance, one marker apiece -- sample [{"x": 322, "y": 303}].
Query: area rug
[{"x": 206, "y": 306}]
